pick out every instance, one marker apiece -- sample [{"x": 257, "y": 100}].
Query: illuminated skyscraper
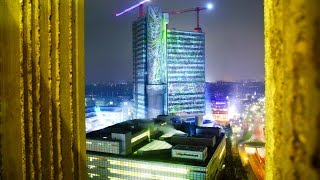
[
  {"x": 186, "y": 72},
  {"x": 169, "y": 68}
]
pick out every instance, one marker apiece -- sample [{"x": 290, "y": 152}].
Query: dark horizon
[{"x": 234, "y": 38}]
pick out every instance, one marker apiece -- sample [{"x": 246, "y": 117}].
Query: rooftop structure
[{"x": 135, "y": 150}]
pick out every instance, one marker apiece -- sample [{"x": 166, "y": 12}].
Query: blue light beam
[{"x": 132, "y": 7}]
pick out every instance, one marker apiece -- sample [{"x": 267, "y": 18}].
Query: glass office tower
[
  {"x": 186, "y": 72},
  {"x": 168, "y": 68},
  {"x": 149, "y": 63}
]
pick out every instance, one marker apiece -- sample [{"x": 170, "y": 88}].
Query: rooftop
[{"x": 166, "y": 157}]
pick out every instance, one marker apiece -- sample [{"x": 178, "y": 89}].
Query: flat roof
[
  {"x": 164, "y": 157},
  {"x": 156, "y": 144}
]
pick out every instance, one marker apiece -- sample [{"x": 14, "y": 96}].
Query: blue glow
[
  {"x": 97, "y": 109},
  {"x": 207, "y": 121},
  {"x": 132, "y": 7}
]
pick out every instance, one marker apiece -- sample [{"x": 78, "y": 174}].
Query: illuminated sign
[{"x": 188, "y": 154}]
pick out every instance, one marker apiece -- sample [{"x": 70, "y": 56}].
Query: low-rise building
[{"x": 134, "y": 150}]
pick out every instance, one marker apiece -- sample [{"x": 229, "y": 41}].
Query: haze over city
[{"x": 234, "y": 38}]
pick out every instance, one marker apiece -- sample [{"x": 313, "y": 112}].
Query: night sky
[{"x": 234, "y": 37}]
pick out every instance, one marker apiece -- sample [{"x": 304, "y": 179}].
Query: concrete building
[
  {"x": 169, "y": 68},
  {"x": 141, "y": 153}
]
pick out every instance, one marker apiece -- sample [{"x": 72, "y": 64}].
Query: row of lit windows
[
  {"x": 137, "y": 63},
  {"x": 189, "y": 101},
  {"x": 103, "y": 146},
  {"x": 173, "y": 97},
  {"x": 140, "y": 51},
  {"x": 182, "y": 79},
  {"x": 128, "y": 169},
  {"x": 178, "y": 57},
  {"x": 183, "y": 92},
  {"x": 140, "y": 55},
  {"x": 139, "y": 41},
  {"x": 139, "y": 59},
  {"x": 184, "y": 35},
  {"x": 190, "y": 78},
  {"x": 188, "y": 106},
  {"x": 184, "y": 39},
  {"x": 191, "y": 66},
  {"x": 186, "y": 69},
  {"x": 139, "y": 32},
  {"x": 186, "y": 46},
  {"x": 195, "y": 111},
  {"x": 140, "y": 67},
  {"x": 186, "y": 74},
  {"x": 189, "y": 60},
  {"x": 140, "y": 101},
  {"x": 185, "y": 77},
  {"x": 183, "y": 51},
  {"x": 182, "y": 43},
  {"x": 142, "y": 47},
  {"x": 175, "y": 87}
]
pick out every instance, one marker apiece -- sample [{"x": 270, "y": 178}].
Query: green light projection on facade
[
  {"x": 186, "y": 72},
  {"x": 156, "y": 36}
]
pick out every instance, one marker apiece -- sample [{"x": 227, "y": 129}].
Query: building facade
[
  {"x": 102, "y": 167},
  {"x": 186, "y": 72},
  {"x": 127, "y": 151},
  {"x": 169, "y": 68}
]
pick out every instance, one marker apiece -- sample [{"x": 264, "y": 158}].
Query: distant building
[
  {"x": 168, "y": 68},
  {"x": 135, "y": 150},
  {"x": 98, "y": 117},
  {"x": 220, "y": 111}
]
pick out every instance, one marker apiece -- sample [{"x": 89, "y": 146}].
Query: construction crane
[
  {"x": 140, "y": 5},
  {"x": 195, "y": 9}
]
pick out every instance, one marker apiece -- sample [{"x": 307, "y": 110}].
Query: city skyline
[{"x": 226, "y": 26}]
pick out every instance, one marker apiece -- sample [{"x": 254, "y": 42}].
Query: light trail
[{"x": 132, "y": 7}]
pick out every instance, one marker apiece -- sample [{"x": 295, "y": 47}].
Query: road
[
  {"x": 257, "y": 165},
  {"x": 252, "y": 158}
]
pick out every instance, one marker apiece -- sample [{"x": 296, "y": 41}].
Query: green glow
[{"x": 140, "y": 136}]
